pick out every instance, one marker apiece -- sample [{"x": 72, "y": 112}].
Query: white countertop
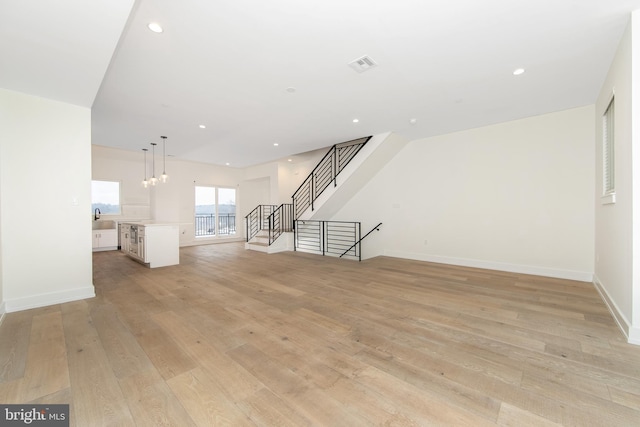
[{"x": 150, "y": 223}]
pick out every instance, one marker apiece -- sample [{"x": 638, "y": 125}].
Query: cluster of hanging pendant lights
[{"x": 164, "y": 177}]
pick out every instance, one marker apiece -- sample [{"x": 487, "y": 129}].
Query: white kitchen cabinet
[{"x": 105, "y": 240}]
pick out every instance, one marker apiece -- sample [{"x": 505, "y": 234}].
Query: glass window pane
[
  {"x": 609, "y": 147},
  {"x": 226, "y": 211},
  {"x": 105, "y": 196},
  {"x": 215, "y": 211},
  {"x": 205, "y": 211}
]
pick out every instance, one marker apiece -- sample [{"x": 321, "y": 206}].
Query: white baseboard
[
  {"x": 632, "y": 334},
  {"x": 42, "y": 300},
  {"x": 212, "y": 241},
  {"x": 3, "y": 311},
  {"x": 581, "y": 276}
]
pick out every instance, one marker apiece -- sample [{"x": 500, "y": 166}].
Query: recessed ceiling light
[
  {"x": 202, "y": 127},
  {"x": 291, "y": 89},
  {"x": 355, "y": 120},
  {"x": 413, "y": 121},
  {"x": 275, "y": 144},
  {"x": 289, "y": 160},
  {"x": 227, "y": 163},
  {"x": 518, "y": 71},
  {"x": 155, "y": 27}
]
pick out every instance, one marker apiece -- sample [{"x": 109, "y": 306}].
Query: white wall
[
  {"x": 616, "y": 240},
  {"x": 515, "y": 196},
  {"x": 292, "y": 174},
  {"x": 173, "y": 201},
  {"x": 634, "y": 334},
  {"x": 284, "y": 177},
  {"x": 45, "y": 228},
  {"x": 110, "y": 164},
  {"x": 268, "y": 172},
  {"x": 2, "y": 303},
  {"x": 255, "y": 192},
  {"x": 269, "y": 183}
]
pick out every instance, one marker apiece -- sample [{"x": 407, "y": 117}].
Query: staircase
[
  {"x": 336, "y": 178},
  {"x": 325, "y": 174},
  {"x": 266, "y": 224}
]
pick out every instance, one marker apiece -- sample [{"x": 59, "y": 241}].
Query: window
[
  {"x": 105, "y": 196},
  {"x": 215, "y": 213},
  {"x": 608, "y": 158}
]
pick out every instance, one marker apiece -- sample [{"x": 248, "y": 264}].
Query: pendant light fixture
[
  {"x": 145, "y": 183},
  {"x": 153, "y": 181},
  {"x": 164, "y": 177}
]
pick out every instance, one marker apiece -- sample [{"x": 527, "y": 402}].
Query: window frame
[
  {"x": 608, "y": 153},
  {"x": 216, "y": 234}
]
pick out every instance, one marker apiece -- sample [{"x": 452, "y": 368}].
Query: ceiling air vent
[{"x": 362, "y": 64}]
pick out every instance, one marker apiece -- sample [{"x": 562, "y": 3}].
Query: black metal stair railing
[
  {"x": 357, "y": 243},
  {"x": 280, "y": 221},
  {"x": 330, "y": 238},
  {"x": 325, "y": 173},
  {"x": 258, "y": 219}
]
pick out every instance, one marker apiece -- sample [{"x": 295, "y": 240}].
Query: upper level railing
[
  {"x": 280, "y": 221},
  {"x": 258, "y": 219},
  {"x": 325, "y": 173}
]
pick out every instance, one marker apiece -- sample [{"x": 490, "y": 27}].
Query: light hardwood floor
[{"x": 235, "y": 337}]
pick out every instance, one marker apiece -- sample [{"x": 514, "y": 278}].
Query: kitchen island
[{"x": 150, "y": 243}]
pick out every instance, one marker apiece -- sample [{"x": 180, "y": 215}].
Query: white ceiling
[{"x": 227, "y": 64}]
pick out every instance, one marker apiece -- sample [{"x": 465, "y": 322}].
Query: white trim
[
  {"x": 3, "y": 311},
  {"x": 212, "y": 241},
  {"x": 582, "y": 276},
  {"x": 286, "y": 245},
  {"x": 608, "y": 199},
  {"x": 632, "y": 334},
  {"x": 105, "y": 248},
  {"x": 42, "y": 300}
]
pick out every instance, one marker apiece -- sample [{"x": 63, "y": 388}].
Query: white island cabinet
[
  {"x": 155, "y": 245},
  {"x": 124, "y": 238}
]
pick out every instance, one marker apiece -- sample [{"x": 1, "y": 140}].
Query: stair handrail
[
  {"x": 254, "y": 220},
  {"x": 280, "y": 221},
  {"x": 376, "y": 228},
  {"x": 336, "y": 165},
  {"x": 326, "y": 170}
]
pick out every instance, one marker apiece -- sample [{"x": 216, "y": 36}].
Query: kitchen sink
[{"x": 104, "y": 225}]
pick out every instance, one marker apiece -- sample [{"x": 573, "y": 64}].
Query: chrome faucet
[{"x": 96, "y": 214}]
